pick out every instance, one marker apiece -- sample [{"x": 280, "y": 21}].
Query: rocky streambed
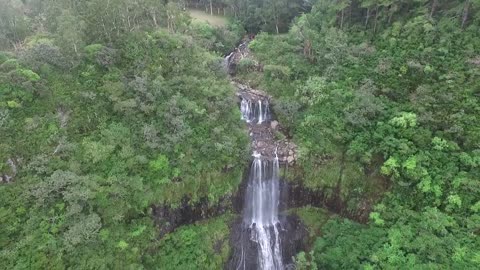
[{"x": 267, "y": 138}]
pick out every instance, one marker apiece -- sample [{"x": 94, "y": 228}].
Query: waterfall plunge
[{"x": 261, "y": 212}]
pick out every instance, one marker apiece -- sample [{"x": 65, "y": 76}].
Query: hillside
[{"x": 326, "y": 134}]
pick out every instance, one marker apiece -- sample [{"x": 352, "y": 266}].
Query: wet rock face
[
  {"x": 167, "y": 219},
  {"x": 297, "y": 195}
]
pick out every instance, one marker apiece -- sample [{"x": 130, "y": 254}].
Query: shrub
[
  {"x": 28, "y": 74},
  {"x": 246, "y": 64},
  {"x": 277, "y": 72},
  {"x": 9, "y": 65}
]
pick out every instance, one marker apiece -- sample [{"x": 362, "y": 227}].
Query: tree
[
  {"x": 14, "y": 25},
  {"x": 71, "y": 31}
]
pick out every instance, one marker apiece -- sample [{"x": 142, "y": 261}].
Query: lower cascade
[{"x": 260, "y": 218}]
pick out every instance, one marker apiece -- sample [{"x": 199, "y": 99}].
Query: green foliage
[
  {"x": 346, "y": 245},
  {"x": 313, "y": 92},
  {"x": 276, "y": 72},
  {"x": 379, "y": 97},
  {"x": 28, "y": 74},
  {"x": 147, "y": 120},
  {"x": 160, "y": 164},
  {"x": 92, "y": 50},
  {"x": 218, "y": 39},
  {"x": 9, "y": 64},
  {"x": 246, "y": 65},
  {"x": 13, "y": 104},
  {"x": 302, "y": 263},
  {"x": 405, "y": 120},
  {"x": 204, "y": 245},
  {"x": 266, "y": 15},
  {"x": 3, "y": 57},
  {"x": 313, "y": 218}
]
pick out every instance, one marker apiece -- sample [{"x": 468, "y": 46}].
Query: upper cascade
[
  {"x": 255, "y": 111},
  {"x": 264, "y": 131}
]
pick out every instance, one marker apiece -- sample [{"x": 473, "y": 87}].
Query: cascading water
[
  {"x": 262, "y": 238},
  {"x": 255, "y": 112},
  {"x": 261, "y": 212},
  {"x": 226, "y": 61},
  {"x": 261, "y": 225}
]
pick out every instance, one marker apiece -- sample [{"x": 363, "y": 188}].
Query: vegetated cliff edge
[{"x": 296, "y": 191}]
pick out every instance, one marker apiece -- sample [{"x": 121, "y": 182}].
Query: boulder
[{"x": 274, "y": 124}]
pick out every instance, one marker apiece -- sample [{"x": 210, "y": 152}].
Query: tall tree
[
  {"x": 71, "y": 31},
  {"x": 14, "y": 24}
]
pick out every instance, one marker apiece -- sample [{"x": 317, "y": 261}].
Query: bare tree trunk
[
  {"x": 116, "y": 28},
  {"x": 350, "y": 15},
  {"x": 307, "y": 50},
  {"x": 434, "y": 6},
  {"x": 135, "y": 22},
  {"x": 168, "y": 21},
  {"x": 211, "y": 8},
  {"x": 276, "y": 25},
  {"x": 154, "y": 16},
  {"x": 105, "y": 30},
  {"x": 14, "y": 24},
  {"x": 390, "y": 13},
  {"x": 341, "y": 21},
  {"x": 466, "y": 8},
  {"x": 376, "y": 19},
  {"x": 368, "y": 16}
]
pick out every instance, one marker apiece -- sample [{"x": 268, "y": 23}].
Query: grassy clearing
[{"x": 201, "y": 16}]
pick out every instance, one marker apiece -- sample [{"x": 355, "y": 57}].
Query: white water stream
[{"x": 262, "y": 198}]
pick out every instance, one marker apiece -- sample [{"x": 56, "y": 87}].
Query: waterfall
[
  {"x": 255, "y": 112},
  {"x": 261, "y": 212},
  {"x": 246, "y": 109},
  {"x": 226, "y": 61},
  {"x": 260, "y": 113},
  {"x": 260, "y": 225}
]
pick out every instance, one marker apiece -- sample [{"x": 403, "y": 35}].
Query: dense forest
[{"x": 109, "y": 109}]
